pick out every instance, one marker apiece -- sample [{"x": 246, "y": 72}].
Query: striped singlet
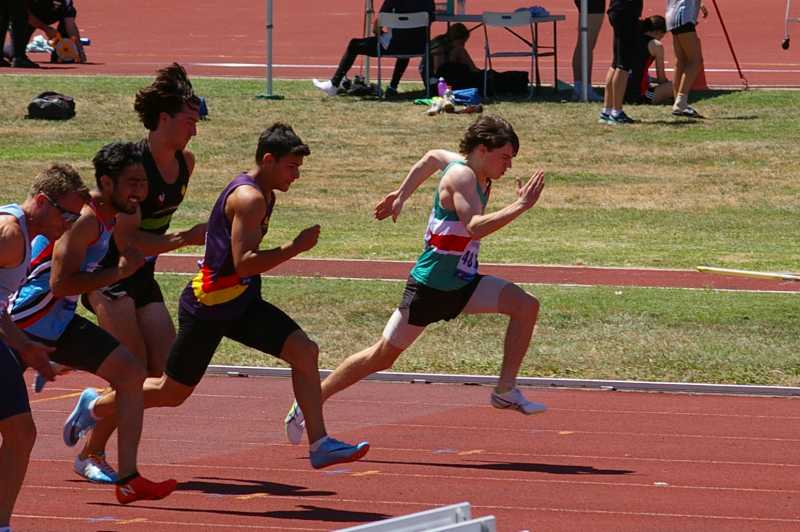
[
  {"x": 34, "y": 308},
  {"x": 217, "y": 292},
  {"x": 449, "y": 260}
]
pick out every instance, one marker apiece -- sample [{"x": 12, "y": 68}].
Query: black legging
[
  {"x": 366, "y": 46},
  {"x": 14, "y": 12}
]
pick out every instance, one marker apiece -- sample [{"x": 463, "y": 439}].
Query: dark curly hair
[
  {"x": 169, "y": 93},
  {"x": 279, "y": 140},
  {"x": 491, "y": 131},
  {"x": 112, "y": 159}
]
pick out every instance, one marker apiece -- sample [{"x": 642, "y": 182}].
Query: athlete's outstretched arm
[
  {"x": 468, "y": 207},
  {"x": 247, "y": 208},
  {"x": 67, "y": 277},
  {"x": 430, "y": 163},
  {"x": 127, "y": 233}
]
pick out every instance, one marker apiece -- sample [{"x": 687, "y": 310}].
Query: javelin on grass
[
  {"x": 775, "y": 276},
  {"x": 730, "y": 45}
]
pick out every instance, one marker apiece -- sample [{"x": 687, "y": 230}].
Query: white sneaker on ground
[
  {"x": 94, "y": 468},
  {"x": 326, "y": 87},
  {"x": 295, "y": 424},
  {"x": 516, "y": 401}
]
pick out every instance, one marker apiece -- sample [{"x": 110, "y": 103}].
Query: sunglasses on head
[{"x": 66, "y": 214}]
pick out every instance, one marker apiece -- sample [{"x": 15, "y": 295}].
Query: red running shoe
[{"x": 141, "y": 489}]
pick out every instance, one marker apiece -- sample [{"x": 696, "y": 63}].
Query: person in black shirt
[
  {"x": 400, "y": 42},
  {"x": 624, "y": 18},
  {"x": 641, "y": 87}
]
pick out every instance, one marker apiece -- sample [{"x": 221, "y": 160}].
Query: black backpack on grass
[{"x": 51, "y": 105}]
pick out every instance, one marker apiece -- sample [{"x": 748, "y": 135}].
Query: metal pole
[
  {"x": 268, "y": 94},
  {"x": 368, "y": 12},
  {"x": 584, "y": 27}
]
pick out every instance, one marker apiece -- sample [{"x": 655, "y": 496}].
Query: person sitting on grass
[{"x": 641, "y": 87}]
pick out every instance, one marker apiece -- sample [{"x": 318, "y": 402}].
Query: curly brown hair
[
  {"x": 491, "y": 131},
  {"x": 169, "y": 93},
  {"x": 58, "y": 180}
]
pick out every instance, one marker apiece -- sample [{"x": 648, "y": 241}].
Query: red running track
[
  {"x": 598, "y": 460},
  {"x": 229, "y": 39},
  {"x": 518, "y": 273}
]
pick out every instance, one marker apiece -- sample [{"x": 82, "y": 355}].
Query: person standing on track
[
  {"x": 681, "y": 21},
  {"x": 624, "y": 18},
  {"x": 45, "y": 308},
  {"x": 133, "y": 309},
  {"x": 445, "y": 281},
  {"x": 53, "y": 204},
  {"x": 224, "y": 298}
]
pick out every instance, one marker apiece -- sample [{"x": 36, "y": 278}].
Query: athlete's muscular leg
[
  {"x": 158, "y": 332},
  {"x": 19, "y": 435},
  {"x": 126, "y": 375},
  {"x": 378, "y": 357},
  {"x": 302, "y": 354}
]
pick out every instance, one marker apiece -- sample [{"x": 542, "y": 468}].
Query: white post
[
  {"x": 269, "y": 47},
  {"x": 584, "y": 28},
  {"x": 368, "y": 12}
]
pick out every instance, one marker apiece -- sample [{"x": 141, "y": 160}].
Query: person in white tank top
[
  {"x": 682, "y": 18},
  {"x": 53, "y": 204}
]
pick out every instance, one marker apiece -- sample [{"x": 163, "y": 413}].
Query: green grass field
[{"x": 662, "y": 193}]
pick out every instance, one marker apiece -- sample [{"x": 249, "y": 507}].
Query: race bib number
[{"x": 468, "y": 264}]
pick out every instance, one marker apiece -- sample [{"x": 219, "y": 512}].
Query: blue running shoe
[
  {"x": 81, "y": 419},
  {"x": 39, "y": 383},
  {"x": 333, "y": 452},
  {"x": 94, "y": 468}
]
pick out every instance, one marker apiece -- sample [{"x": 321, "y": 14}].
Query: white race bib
[{"x": 468, "y": 264}]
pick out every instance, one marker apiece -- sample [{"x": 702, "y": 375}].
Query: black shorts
[
  {"x": 141, "y": 287},
  {"x": 83, "y": 345},
  {"x": 262, "y": 326},
  {"x": 428, "y": 305},
  {"x": 13, "y": 392},
  {"x": 626, "y": 33},
  {"x": 596, "y": 7},
  {"x": 689, "y": 27}
]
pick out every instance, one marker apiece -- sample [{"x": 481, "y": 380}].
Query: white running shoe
[
  {"x": 516, "y": 401},
  {"x": 295, "y": 424},
  {"x": 326, "y": 87},
  {"x": 94, "y": 468}
]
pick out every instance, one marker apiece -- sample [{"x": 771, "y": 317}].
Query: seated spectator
[
  {"x": 451, "y": 61},
  {"x": 392, "y": 42},
  {"x": 43, "y": 14},
  {"x": 641, "y": 87}
]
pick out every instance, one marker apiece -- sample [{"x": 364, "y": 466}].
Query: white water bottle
[{"x": 441, "y": 87}]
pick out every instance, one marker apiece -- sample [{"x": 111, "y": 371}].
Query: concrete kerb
[{"x": 488, "y": 380}]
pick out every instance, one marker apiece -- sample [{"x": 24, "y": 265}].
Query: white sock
[
  {"x": 606, "y": 110},
  {"x": 681, "y": 101},
  {"x": 616, "y": 112},
  {"x": 314, "y": 446},
  {"x": 91, "y": 413}
]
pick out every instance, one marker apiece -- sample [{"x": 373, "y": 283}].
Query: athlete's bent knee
[{"x": 20, "y": 435}]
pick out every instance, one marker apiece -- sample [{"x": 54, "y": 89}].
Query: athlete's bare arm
[
  {"x": 246, "y": 208},
  {"x": 66, "y": 277},
  {"x": 430, "y": 163},
  {"x": 127, "y": 233},
  {"x": 12, "y": 253},
  {"x": 656, "y": 49},
  {"x": 458, "y": 187}
]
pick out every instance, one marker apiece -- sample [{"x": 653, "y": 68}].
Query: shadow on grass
[
  {"x": 521, "y": 467},
  {"x": 304, "y": 513}
]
